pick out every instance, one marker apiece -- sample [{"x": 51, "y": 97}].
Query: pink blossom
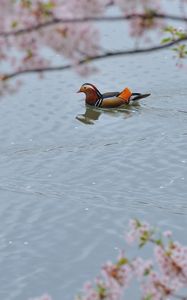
[
  {"x": 167, "y": 233},
  {"x": 120, "y": 273},
  {"x": 142, "y": 267},
  {"x": 156, "y": 287},
  {"x": 43, "y": 297},
  {"x": 101, "y": 290},
  {"x": 173, "y": 261},
  {"x": 138, "y": 231}
]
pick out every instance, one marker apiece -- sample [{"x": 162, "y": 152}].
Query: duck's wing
[
  {"x": 110, "y": 94},
  {"x": 111, "y": 102}
]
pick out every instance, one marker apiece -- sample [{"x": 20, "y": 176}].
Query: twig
[
  {"x": 56, "y": 21},
  {"x": 94, "y": 58}
]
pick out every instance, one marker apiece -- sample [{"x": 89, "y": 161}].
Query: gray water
[{"x": 71, "y": 178}]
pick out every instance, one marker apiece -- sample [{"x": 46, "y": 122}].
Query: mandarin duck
[{"x": 110, "y": 99}]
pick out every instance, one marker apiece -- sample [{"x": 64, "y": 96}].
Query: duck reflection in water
[{"x": 93, "y": 114}]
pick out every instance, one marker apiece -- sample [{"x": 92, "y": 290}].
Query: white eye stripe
[{"x": 88, "y": 86}]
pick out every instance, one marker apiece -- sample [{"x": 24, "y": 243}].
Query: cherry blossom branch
[
  {"x": 55, "y": 21},
  {"x": 158, "y": 278},
  {"x": 93, "y": 58}
]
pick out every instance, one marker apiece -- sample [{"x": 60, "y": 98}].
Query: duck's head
[{"x": 91, "y": 92}]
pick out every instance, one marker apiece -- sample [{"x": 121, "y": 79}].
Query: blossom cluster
[{"x": 162, "y": 277}]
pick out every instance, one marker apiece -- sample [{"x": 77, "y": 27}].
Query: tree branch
[
  {"x": 56, "y": 21},
  {"x": 93, "y": 58}
]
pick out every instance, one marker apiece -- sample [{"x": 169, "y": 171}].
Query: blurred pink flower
[
  {"x": 167, "y": 233},
  {"x": 43, "y": 297}
]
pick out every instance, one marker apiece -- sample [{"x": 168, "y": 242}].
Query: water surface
[{"x": 71, "y": 178}]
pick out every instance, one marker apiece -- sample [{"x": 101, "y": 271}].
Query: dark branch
[
  {"x": 180, "y": 297},
  {"x": 95, "y": 58},
  {"x": 56, "y": 21}
]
